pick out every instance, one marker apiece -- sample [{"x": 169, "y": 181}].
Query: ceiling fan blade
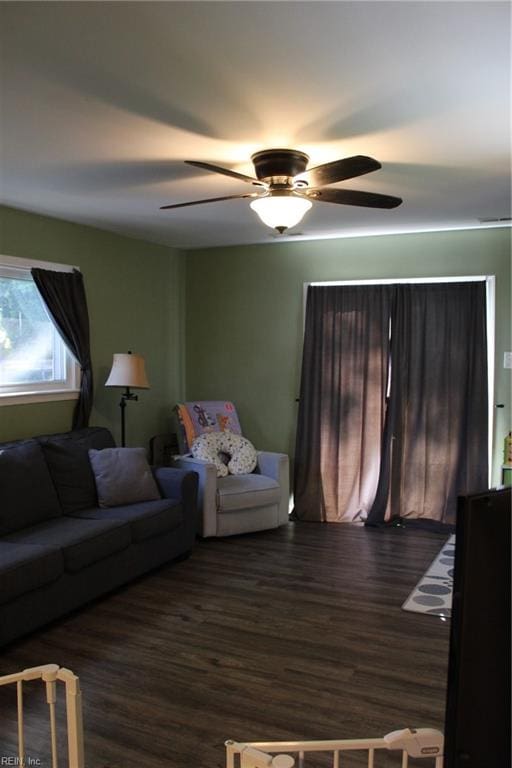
[
  {"x": 353, "y": 197},
  {"x": 209, "y": 200},
  {"x": 226, "y": 172},
  {"x": 339, "y": 170}
]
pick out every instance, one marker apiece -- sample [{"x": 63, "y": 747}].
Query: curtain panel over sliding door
[
  {"x": 393, "y": 413},
  {"x": 342, "y": 401},
  {"x": 435, "y": 443}
]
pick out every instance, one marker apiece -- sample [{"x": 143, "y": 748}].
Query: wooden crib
[
  {"x": 50, "y": 675},
  {"x": 424, "y": 743}
]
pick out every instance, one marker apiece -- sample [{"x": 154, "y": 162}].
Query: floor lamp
[{"x": 127, "y": 371}]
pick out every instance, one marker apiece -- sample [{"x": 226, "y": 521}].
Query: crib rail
[
  {"x": 417, "y": 743},
  {"x": 50, "y": 675}
]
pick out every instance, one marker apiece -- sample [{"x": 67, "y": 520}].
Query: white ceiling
[{"x": 102, "y": 102}]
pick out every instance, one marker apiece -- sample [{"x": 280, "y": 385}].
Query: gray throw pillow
[{"x": 123, "y": 476}]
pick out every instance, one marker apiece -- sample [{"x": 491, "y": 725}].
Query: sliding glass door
[{"x": 393, "y": 414}]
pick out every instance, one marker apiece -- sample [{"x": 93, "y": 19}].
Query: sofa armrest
[
  {"x": 180, "y": 484},
  {"x": 277, "y": 466},
  {"x": 207, "y": 491}
]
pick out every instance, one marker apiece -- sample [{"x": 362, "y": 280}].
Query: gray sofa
[{"x": 58, "y": 549}]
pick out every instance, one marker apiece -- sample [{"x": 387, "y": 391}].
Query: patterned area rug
[{"x": 433, "y": 593}]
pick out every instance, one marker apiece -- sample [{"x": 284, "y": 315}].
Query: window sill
[{"x": 24, "y": 398}]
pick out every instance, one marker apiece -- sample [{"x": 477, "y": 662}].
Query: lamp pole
[{"x": 124, "y": 397}]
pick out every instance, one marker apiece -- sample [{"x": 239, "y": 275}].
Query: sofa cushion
[
  {"x": 68, "y": 461},
  {"x": 245, "y": 491},
  {"x": 123, "y": 476},
  {"x": 24, "y": 567},
  {"x": 146, "y": 519},
  {"x": 27, "y": 494},
  {"x": 83, "y": 542}
]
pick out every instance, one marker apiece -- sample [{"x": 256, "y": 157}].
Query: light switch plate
[{"x": 507, "y": 359}]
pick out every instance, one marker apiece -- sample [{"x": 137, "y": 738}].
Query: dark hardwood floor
[{"x": 288, "y": 634}]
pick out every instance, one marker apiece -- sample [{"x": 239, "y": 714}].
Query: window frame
[{"x": 67, "y": 389}]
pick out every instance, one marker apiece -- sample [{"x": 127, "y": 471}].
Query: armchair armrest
[
  {"x": 277, "y": 466},
  {"x": 180, "y": 484},
  {"x": 207, "y": 491}
]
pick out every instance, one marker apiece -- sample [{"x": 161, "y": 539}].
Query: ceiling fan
[{"x": 286, "y": 189}]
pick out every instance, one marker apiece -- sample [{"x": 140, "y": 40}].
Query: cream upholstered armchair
[{"x": 236, "y": 503}]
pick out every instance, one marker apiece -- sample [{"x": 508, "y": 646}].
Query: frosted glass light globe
[{"x": 281, "y": 210}]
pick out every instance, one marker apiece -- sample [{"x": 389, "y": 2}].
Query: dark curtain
[
  {"x": 64, "y": 296},
  {"x": 342, "y": 401},
  {"x": 435, "y": 437}
]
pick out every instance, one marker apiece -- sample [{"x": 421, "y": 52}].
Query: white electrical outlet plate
[{"x": 507, "y": 359}]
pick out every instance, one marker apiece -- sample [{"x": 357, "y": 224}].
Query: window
[{"x": 35, "y": 364}]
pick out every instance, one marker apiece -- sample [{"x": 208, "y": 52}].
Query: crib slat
[
  {"x": 75, "y": 730},
  {"x": 51, "y": 698},
  {"x": 21, "y": 728}
]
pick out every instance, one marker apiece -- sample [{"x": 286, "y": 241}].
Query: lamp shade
[
  {"x": 281, "y": 210},
  {"x": 128, "y": 371}
]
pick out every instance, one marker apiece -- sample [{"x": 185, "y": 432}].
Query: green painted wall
[
  {"x": 244, "y": 315},
  {"x": 243, "y": 308},
  {"x": 135, "y": 295}
]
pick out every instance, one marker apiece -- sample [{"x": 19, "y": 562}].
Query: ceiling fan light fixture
[
  {"x": 281, "y": 210},
  {"x": 286, "y": 186}
]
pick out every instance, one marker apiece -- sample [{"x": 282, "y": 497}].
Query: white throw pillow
[
  {"x": 205, "y": 447},
  {"x": 215, "y": 447}
]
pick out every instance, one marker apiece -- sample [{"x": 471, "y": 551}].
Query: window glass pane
[{"x": 27, "y": 335}]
